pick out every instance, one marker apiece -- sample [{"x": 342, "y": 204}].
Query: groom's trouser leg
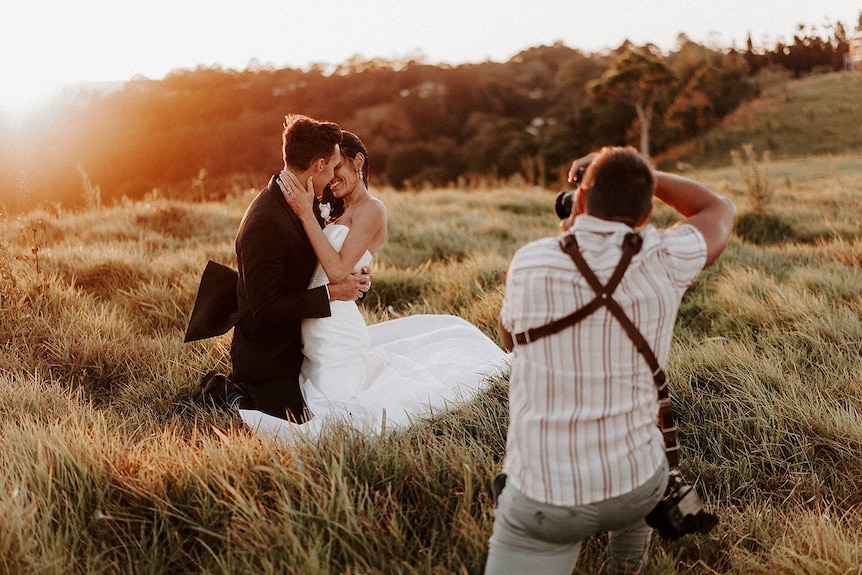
[{"x": 278, "y": 397}]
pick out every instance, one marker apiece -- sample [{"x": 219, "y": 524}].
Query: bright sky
[{"x": 48, "y": 44}]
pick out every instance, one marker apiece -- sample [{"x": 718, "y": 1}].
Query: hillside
[
  {"x": 205, "y": 133},
  {"x": 816, "y": 115}
]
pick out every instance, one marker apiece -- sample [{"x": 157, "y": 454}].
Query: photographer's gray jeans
[{"x": 532, "y": 537}]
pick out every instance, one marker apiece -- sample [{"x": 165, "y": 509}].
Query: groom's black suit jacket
[{"x": 276, "y": 262}]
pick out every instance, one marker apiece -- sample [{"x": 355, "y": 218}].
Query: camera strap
[{"x": 604, "y": 298}]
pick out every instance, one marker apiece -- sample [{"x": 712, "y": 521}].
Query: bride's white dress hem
[{"x": 384, "y": 377}]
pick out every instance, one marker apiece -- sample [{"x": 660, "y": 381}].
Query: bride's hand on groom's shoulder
[{"x": 352, "y": 288}]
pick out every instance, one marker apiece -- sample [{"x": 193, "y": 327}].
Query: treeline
[
  {"x": 809, "y": 51},
  {"x": 204, "y": 132}
]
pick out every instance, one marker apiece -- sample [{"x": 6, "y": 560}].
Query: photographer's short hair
[
  {"x": 305, "y": 139},
  {"x": 620, "y": 186}
]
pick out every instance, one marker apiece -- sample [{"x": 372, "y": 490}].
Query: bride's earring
[{"x": 360, "y": 175}]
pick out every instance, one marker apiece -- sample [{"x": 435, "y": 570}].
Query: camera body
[
  {"x": 680, "y": 511},
  {"x": 563, "y": 203}
]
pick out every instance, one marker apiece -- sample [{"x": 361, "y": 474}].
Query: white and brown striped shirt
[{"x": 582, "y": 403}]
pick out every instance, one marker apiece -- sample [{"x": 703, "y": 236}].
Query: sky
[{"x": 46, "y": 45}]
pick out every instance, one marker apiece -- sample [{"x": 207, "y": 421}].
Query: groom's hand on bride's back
[{"x": 353, "y": 287}]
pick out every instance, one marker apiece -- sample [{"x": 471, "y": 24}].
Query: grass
[
  {"x": 807, "y": 118},
  {"x": 105, "y": 467}
]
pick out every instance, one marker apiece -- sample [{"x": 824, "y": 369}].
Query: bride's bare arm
[
  {"x": 367, "y": 231},
  {"x": 367, "y": 228}
]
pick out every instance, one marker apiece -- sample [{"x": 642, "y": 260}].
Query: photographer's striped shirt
[{"x": 582, "y": 403}]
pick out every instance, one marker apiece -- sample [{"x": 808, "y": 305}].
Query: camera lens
[{"x": 563, "y": 204}]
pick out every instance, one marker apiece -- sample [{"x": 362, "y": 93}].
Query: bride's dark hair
[{"x": 352, "y": 145}]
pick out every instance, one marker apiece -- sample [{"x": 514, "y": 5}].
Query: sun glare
[{"x": 19, "y": 101}]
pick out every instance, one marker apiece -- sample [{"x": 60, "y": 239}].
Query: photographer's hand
[
  {"x": 568, "y": 222},
  {"x": 576, "y": 174},
  {"x": 581, "y": 162}
]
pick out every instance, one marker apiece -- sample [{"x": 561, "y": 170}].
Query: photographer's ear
[{"x": 645, "y": 218}]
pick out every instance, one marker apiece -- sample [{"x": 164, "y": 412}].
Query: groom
[{"x": 275, "y": 262}]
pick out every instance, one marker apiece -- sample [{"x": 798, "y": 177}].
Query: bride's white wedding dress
[{"x": 385, "y": 376}]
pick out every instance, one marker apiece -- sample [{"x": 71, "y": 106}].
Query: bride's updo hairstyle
[{"x": 352, "y": 145}]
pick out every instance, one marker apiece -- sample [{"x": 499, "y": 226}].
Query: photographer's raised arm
[{"x": 710, "y": 213}]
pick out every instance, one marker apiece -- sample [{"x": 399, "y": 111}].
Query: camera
[
  {"x": 563, "y": 203},
  {"x": 680, "y": 511}
]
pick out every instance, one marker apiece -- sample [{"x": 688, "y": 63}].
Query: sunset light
[
  {"x": 128, "y": 98},
  {"x": 430, "y": 286},
  {"x": 48, "y": 45}
]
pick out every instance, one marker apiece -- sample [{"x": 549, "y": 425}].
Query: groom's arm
[{"x": 271, "y": 306}]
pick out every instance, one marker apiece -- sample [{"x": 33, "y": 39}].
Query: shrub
[
  {"x": 755, "y": 175},
  {"x": 763, "y": 229}
]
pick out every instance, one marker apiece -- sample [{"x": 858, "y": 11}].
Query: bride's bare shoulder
[{"x": 373, "y": 208}]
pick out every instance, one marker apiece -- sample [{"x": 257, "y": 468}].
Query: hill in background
[
  {"x": 816, "y": 115},
  {"x": 207, "y": 133}
]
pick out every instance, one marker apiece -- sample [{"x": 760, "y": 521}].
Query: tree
[
  {"x": 716, "y": 87},
  {"x": 638, "y": 80}
]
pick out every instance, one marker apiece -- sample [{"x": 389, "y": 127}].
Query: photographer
[{"x": 584, "y": 453}]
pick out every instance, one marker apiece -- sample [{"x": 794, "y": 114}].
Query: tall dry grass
[{"x": 107, "y": 468}]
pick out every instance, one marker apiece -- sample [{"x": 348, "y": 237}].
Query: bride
[{"x": 384, "y": 376}]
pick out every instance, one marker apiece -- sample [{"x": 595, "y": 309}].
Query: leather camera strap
[{"x": 604, "y": 298}]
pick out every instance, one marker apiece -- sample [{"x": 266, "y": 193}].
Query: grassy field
[
  {"x": 105, "y": 467},
  {"x": 811, "y": 117}
]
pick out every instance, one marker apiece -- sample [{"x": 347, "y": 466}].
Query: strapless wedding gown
[{"x": 385, "y": 376}]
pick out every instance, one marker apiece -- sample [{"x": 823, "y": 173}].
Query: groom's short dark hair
[{"x": 305, "y": 139}]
